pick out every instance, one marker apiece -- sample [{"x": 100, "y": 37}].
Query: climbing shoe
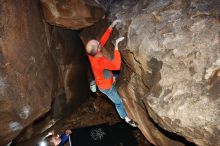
[
  {"x": 131, "y": 122},
  {"x": 92, "y": 85}
]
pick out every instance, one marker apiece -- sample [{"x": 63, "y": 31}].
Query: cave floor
[{"x": 95, "y": 111}]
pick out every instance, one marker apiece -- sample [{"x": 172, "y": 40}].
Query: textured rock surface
[
  {"x": 74, "y": 14},
  {"x": 72, "y": 64},
  {"x": 26, "y": 67},
  {"x": 173, "y": 55},
  {"x": 171, "y": 64},
  {"x": 71, "y": 85},
  {"x": 134, "y": 110},
  {"x": 41, "y": 69}
]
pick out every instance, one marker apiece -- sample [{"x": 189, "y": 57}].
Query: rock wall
[
  {"x": 170, "y": 78},
  {"x": 71, "y": 84},
  {"x": 72, "y": 63},
  {"x": 74, "y": 14},
  {"x": 26, "y": 67},
  {"x": 170, "y": 66},
  {"x": 172, "y": 56},
  {"x": 136, "y": 111},
  {"x": 43, "y": 71}
]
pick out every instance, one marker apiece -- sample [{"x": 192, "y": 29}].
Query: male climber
[{"x": 102, "y": 69}]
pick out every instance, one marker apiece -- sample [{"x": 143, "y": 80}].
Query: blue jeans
[{"x": 112, "y": 94}]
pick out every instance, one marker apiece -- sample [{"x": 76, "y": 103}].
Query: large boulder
[
  {"x": 133, "y": 109},
  {"x": 71, "y": 84},
  {"x": 171, "y": 65},
  {"x": 73, "y": 14},
  {"x": 26, "y": 67},
  {"x": 43, "y": 71}
]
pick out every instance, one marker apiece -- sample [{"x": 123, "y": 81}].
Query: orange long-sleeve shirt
[{"x": 102, "y": 67}]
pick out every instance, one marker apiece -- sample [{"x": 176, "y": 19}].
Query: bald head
[{"x": 92, "y": 47}]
